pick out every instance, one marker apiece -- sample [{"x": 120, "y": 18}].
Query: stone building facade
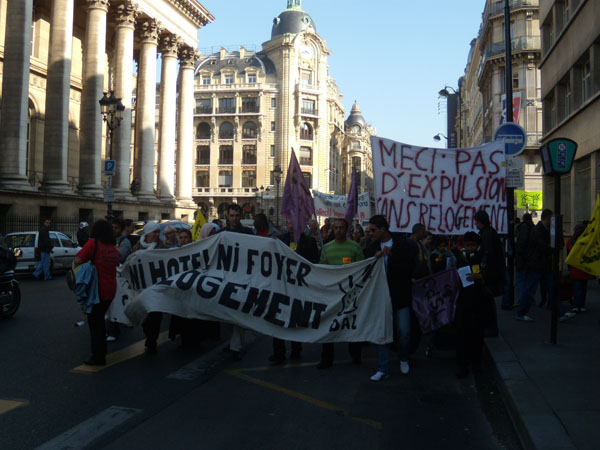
[
  {"x": 482, "y": 88},
  {"x": 57, "y": 58},
  {"x": 570, "y": 72},
  {"x": 254, "y": 107}
]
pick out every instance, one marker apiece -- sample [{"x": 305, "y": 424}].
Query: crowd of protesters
[{"x": 408, "y": 257}]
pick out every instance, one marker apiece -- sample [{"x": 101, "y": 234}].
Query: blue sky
[{"x": 392, "y": 56}]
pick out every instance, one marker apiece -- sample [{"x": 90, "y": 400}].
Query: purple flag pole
[
  {"x": 297, "y": 203},
  {"x": 351, "y": 203}
]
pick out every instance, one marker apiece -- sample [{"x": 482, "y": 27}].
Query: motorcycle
[{"x": 10, "y": 292}]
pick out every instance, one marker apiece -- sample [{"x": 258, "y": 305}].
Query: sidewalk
[{"x": 552, "y": 391}]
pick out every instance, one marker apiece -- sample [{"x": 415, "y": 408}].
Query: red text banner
[{"x": 441, "y": 188}]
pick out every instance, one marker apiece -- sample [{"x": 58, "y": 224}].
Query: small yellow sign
[{"x": 535, "y": 199}]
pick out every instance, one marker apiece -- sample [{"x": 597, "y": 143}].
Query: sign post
[
  {"x": 557, "y": 158},
  {"x": 109, "y": 193}
]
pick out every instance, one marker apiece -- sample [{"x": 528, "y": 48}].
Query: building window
[
  {"x": 356, "y": 145},
  {"x": 229, "y": 78},
  {"x": 202, "y": 178},
  {"x": 226, "y": 131},
  {"x": 272, "y": 126},
  {"x": 305, "y": 156},
  {"x": 272, "y": 154},
  {"x": 203, "y": 131},
  {"x": 227, "y": 105},
  {"x": 249, "y": 178},
  {"x": 250, "y": 105},
  {"x": 203, "y": 154},
  {"x": 225, "y": 178},
  {"x": 586, "y": 81},
  {"x": 308, "y": 178},
  {"x": 249, "y": 154},
  {"x": 273, "y": 102},
  {"x": 356, "y": 163},
  {"x": 515, "y": 81},
  {"x": 251, "y": 78},
  {"x": 272, "y": 178},
  {"x": 226, "y": 154},
  {"x": 203, "y": 106},
  {"x": 308, "y": 107},
  {"x": 306, "y": 78},
  {"x": 306, "y": 132},
  {"x": 205, "y": 79},
  {"x": 356, "y": 129},
  {"x": 249, "y": 130}
]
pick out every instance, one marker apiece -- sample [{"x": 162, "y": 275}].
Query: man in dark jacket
[
  {"x": 307, "y": 248},
  {"x": 493, "y": 265},
  {"x": 524, "y": 230},
  {"x": 401, "y": 255},
  {"x": 45, "y": 248},
  {"x": 539, "y": 265}
]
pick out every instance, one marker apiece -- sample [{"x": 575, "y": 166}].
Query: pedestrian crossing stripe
[
  {"x": 7, "y": 404},
  {"x": 119, "y": 356}
]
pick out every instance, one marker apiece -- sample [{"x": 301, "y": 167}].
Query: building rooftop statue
[{"x": 293, "y": 20}]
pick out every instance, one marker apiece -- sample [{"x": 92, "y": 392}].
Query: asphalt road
[{"x": 183, "y": 400}]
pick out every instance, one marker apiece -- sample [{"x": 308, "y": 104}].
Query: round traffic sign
[{"x": 514, "y": 138}]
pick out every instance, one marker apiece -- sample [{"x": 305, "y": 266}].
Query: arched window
[
  {"x": 356, "y": 129},
  {"x": 203, "y": 131},
  {"x": 249, "y": 131},
  {"x": 226, "y": 131},
  {"x": 306, "y": 132}
]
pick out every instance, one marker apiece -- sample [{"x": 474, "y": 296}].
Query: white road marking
[{"x": 87, "y": 432}]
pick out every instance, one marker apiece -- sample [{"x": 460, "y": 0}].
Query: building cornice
[{"x": 194, "y": 11}]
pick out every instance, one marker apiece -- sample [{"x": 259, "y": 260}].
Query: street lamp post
[
  {"x": 447, "y": 94},
  {"x": 277, "y": 174},
  {"x": 111, "y": 109},
  {"x": 438, "y": 137}
]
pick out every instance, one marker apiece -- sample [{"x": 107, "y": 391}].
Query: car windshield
[{"x": 19, "y": 240}]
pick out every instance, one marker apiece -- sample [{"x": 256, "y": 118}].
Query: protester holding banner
[
  {"x": 523, "y": 233},
  {"x": 423, "y": 267},
  {"x": 579, "y": 277},
  {"x": 472, "y": 309},
  {"x": 100, "y": 249},
  {"x": 337, "y": 252},
  {"x": 149, "y": 240},
  {"x": 263, "y": 227},
  {"x": 401, "y": 256},
  {"x": 307, "y": 248},
  {"x": 171, "y": 237}
]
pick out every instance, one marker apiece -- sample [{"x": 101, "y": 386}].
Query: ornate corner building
[
  {"x": 253, "y": 107},
  {"x": 482, "y": 88},
  {"x": 570, "y": 68},
  {"x": 57, "y": 58}
]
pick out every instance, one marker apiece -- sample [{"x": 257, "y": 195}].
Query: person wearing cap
[
  {"x": 171, "y": 237},
  {"x": 149, "y": 240},
  {"x": 83, "y": 234}
]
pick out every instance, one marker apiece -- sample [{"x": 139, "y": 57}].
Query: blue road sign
[
  {"x": 514, "y": 138},
  {"x": 109, "y": 167}
]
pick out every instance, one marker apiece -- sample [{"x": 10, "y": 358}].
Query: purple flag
[
  {"x": 434, "y": 299},
  {"x": 297, "y": 205},
  {"x": 351, "y": 203}
]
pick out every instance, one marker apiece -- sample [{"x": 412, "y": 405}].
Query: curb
[{"x": 533, "y": 418}]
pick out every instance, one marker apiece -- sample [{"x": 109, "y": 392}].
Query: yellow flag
[
  {"x": 200, "y": 221},
  {"x": 585, "y": 254}
]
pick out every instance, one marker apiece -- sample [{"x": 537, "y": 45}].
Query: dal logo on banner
[
  {"x": 261, "y": 284},
  {"x": 440, "y": 188}
]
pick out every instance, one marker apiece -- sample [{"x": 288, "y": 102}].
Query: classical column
[
  {"x": 90, "y": 119},
  {"x": 125, "y": 14},
  {"x": 167, "y": 122},
  {"x": 15, "y": 95},
  {"x": 58, "y": 88},
  {"x": 185, "y": 131},
  {"x": 145, "y": 110}
]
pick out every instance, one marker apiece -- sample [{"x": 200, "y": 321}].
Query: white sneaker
[
  {"x": 404, "y": 367},
  {"x": 379, "y": 376},
  {"x": 525, "y": 318},
  {"x": 110, "y": 339},
  {"x": 566, "y": 316}
]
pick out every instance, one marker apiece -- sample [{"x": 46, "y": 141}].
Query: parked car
[
  {"x": 62, "y": 255},
  {"x": 177, "y": 224}
]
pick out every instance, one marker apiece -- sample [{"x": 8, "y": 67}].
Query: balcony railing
[
  {"x": 309, "y": 111},
  {"x": 304, "y": 161},
  {"x": 498, "y": 7},
  {"x": 532, "y": 43},
  {"x": 250, "y": 109},
  {"x": 203, "y": 109},
  {"x": 226, "y": 191},
  {"x": 226, "y": 110}
]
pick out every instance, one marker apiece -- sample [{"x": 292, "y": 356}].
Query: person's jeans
[
  {"x": 402, "y": 328},
  {"x": 98, "y": 330},
  {"x": 532, "y": 280},
  {"x": 579, "y": 293},
  {"x": 506, "y": 302},
  {"x": 43, "y": 266},
  {"x": 520, "y": 277}
]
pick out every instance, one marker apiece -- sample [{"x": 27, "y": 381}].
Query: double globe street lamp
[
  {"x": 451, "y": 95},
  {"x": 111, "y": 109}
]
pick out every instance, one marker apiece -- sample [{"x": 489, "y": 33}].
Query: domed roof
[
  {"x": 293, "y": 20},
  {"x": 355, "y": 116}
]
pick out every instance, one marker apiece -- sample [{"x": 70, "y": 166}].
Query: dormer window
[
  {"x": 251, "y": 78},
  {"x": 229, "y": 78}
]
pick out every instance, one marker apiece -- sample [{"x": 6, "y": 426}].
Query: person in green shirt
[{"x": 337, "y": 252}]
